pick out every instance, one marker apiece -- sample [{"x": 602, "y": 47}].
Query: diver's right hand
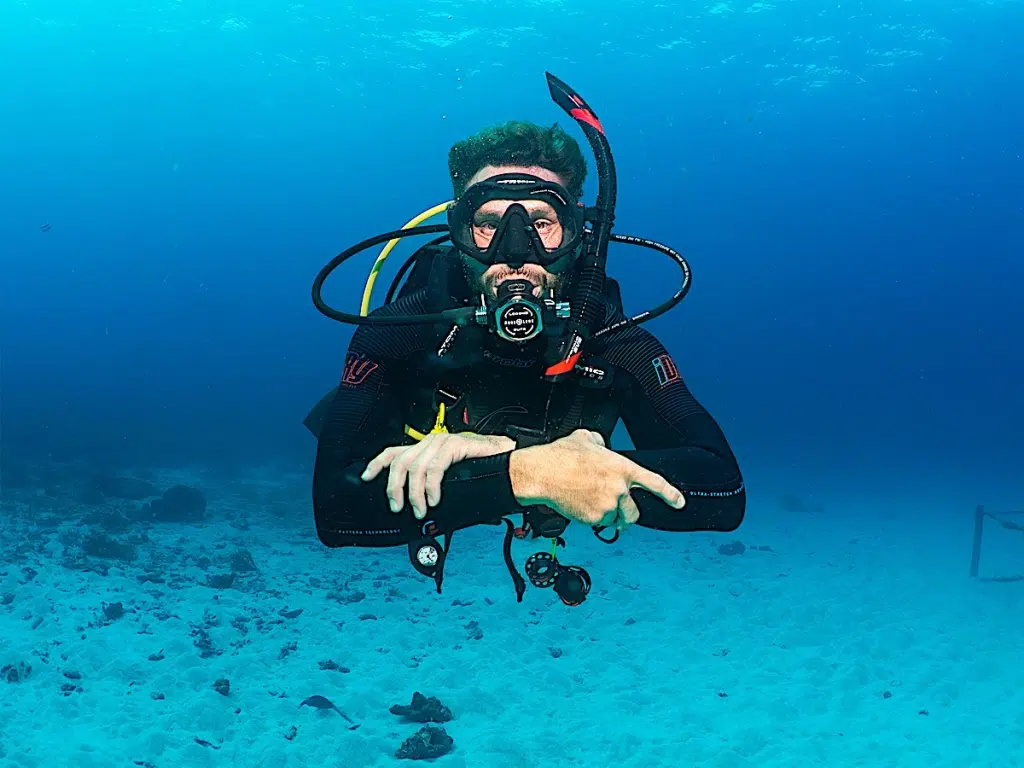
[{"x": 582, "y": 480}]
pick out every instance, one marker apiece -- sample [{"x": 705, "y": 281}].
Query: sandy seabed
[{"x": 826, "y": 642}]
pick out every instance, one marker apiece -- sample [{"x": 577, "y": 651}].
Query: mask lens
[{"x": 540, "y": 216}]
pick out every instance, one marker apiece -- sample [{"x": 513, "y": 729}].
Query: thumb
[{"x": 629, "y": 513}]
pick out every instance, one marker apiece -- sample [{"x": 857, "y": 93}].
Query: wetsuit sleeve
[
  {"x": 367, "y": 415},
  {"x": 675, "y": 437}
]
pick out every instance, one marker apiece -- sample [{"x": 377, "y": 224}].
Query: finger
[
  {"x": 658, "y": 485},
  {"x": 629, "y": 513},
  {"x": 381, "y": 461},
  {"x": 396, "y": 487},
  {"x": 417, "y": 479},
  {"x": 435, "y": 475},
  {"x": 398, "y": 474}
]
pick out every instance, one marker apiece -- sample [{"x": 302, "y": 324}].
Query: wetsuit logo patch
[
  {"x": 356, "y": 370},
  {"x": 665, "y": 369}
]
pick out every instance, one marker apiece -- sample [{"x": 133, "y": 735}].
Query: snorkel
[{"x": 587, "y": 304}]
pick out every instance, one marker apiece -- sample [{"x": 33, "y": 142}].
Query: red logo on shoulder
[{"x": 356, "y": 370}]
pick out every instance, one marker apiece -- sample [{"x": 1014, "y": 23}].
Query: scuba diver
[{"x": 489, "y": 383}]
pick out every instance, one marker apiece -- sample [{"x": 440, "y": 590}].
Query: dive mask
[{"x": 517, "y": 236}]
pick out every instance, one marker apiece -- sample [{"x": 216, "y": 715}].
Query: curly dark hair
[{"x": 519, "y": 143}]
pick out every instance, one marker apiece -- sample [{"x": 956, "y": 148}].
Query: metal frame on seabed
[{"x": 979, "y": 526}]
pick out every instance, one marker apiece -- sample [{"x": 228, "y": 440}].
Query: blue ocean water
[{"x": 846, "y": 180}]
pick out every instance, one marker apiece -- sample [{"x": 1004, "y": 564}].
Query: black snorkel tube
[
  {"x": 587, "y": 305},
  {"x": 587, "y": 302}
]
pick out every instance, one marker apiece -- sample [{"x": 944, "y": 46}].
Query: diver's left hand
[{"x": 423, "y": 465}]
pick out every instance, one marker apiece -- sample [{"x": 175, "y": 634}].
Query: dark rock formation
[
  {"x": 428, "y": 743},
  {"x": 423, "y": 710}
]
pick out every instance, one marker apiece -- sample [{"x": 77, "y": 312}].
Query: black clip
[{"x": 526, "y": 437}]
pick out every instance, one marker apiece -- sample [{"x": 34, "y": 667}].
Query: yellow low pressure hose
[{"x": 364, "y": 306}]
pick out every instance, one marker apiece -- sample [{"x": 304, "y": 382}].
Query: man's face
[{"x": 486, "y": 220}]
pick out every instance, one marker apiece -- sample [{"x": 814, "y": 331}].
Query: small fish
[
  {"x": 323, "y": 703},
  {"x": 45, "y": 227}
]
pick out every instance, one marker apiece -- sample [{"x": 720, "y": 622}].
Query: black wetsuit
[{"x": 393, "y": 371}]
